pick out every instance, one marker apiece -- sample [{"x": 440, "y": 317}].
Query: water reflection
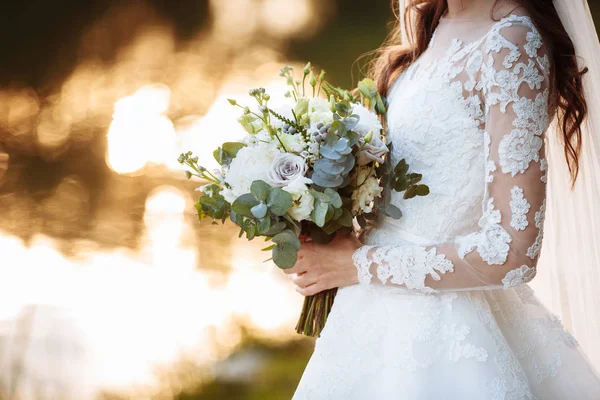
[
  {"x": 129, "y": 312},
  {"x": 105, "y": 274}
]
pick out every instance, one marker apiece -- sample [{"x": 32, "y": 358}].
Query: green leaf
[
  {"x": 346, "y": 218},
  {"x": 243, "y": 205},
  {"x": 260, "y": 190},
  {"x": 285, "y": 253},
  {"x": 279, "y": 201},
  {"x": 319, "y": 236},
  {"x": 381, "y": 109},
  {"x": 336, "y": 200},
  {"x": 259, "y": 211},
  {"x": 368, "y": 88},
  {"x": 393, "y": 212},
  {"x": 338, "y": 128},
  {"x": 285, "y": 257},
  {"x": 401, "y": 185},
  {"x": 275, "y": 229},
  {"x": 322, "y": 197},
  {"x": 271, "y": 247},
  {"x": 232, "y": 148},
  {"x": 220, "y": 156},
  {"x": 342, "y": 109},
  {"x": 422, "y": 190},
  {"x": 352, "y": 137},
  {"x": 330, "y": 213},
  {"x": 332, "y": 227},
  {"x": 410, "y": 193},
  {"x": 250, "y": 123},
  {"x": 401, "y": 168},
  {"x": 301, "y": 107},
  {"x": 319, "y": 212},
  {"x": 263, "y": 226},
  {"x": 337, "y": 212}
]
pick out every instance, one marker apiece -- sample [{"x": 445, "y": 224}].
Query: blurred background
[{"x": 109, "y": 287}]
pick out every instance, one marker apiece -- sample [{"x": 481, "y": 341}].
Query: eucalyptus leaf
[
  {"x": 330, "y": 213},
  {"x": 263, "y": 226},
  {"x": 351, "y": 122},
  {"x": 319, "y": 213},
  {"x": 322, "y": 197},
  {"x": 346, "y": 218},
  {"x": 243, "y": 205},
  {"x": 285, "y": 253},
  {"x": 319, "y": 236},
  {"x": 260, "y": 190},
  {"x": 279, "y": 201},
  {"x": 336, "y": 200},
  {"x": 338, "y": 128},
  {"x": 259, "y": 211},
  {"x": 275, "y": 229},
  {"x": 393, "y": 212}
]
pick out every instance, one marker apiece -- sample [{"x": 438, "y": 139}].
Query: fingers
[
  {"x": 312, "y": 289},
  {"x": 304, "y": 280}
]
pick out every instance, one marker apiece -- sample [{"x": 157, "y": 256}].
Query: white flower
[
  {"x": 319, "y": 112},
  {"x": 293, "y": 143},
  {"x": 285, "y": 111},
  {"x": 286, "y": 168},
  {"x": 368, "y": 121},
  {"x": 304, "y": 202},
  {"x": 228, "y": 194},
  {"x": 249, "y": 165},
  {"x": 368, "y": 189}
]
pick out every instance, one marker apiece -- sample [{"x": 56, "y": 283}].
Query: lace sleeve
[{"x": 514, "y": 84}]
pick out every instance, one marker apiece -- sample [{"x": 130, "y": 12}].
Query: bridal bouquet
[{"x": 309, "y": 168}]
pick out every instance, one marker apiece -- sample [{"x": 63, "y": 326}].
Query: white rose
[
  {"x": 286, "y": 168},
  {"x": 318, "y": 111},
  {"x": 249, "y": 165},
  {"x": 304, "y": 202},
  {"x": 365, "y": 194},
  {"x": 368, "y": 121}
]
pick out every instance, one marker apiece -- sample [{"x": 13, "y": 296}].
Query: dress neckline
[{"x": 457, "y": 45}]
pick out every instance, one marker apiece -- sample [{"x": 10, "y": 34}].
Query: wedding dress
[{"x": 443, "y": 310}]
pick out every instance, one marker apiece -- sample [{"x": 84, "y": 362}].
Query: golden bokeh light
[{"x": 141, "y": 133}]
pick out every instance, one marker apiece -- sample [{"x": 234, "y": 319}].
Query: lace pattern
[{"x": 484, "y": 104}]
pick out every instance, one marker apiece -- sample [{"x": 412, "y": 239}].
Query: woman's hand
[{"x": 325, "y": 266}]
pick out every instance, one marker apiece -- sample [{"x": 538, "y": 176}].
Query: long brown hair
[{"x": 571, "y": 106}]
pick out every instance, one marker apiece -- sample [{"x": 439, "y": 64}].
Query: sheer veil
[{"x": 568, "y": 279}]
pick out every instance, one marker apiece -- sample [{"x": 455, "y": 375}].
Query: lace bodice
[{"x": 470, "y": 116}]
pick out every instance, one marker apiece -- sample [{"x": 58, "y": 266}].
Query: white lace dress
[{"x": 443, "y": 310}]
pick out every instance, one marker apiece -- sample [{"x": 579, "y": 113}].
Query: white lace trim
[
  {"x": 544, "y": 169},
  {"x": 363, "y": 264},
  {"x": 534, "y": 250},
  {"x": 519, "y": 207},
  {"x": 410, "y": 265},
  {"x": 519, "y": 276}
]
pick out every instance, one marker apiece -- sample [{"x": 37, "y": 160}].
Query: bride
[{"x": 435, "y": 305}]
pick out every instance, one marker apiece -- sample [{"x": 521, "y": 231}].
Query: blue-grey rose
[
  {"x": 372, "y": 151},
  {"x": 286, "y": 168}
]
